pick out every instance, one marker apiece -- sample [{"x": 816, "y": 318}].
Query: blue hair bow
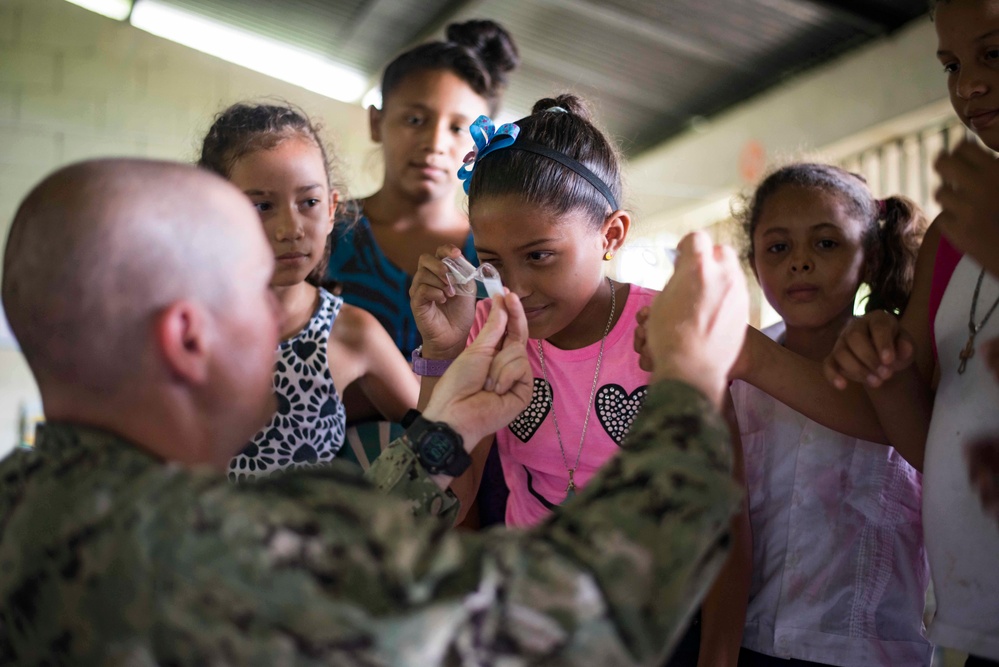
[{"x": 487, "y": 139}]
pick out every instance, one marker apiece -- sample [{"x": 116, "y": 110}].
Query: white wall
[
  {"x": 76, "y": 85},
  {"x": 888, "y": 87}
]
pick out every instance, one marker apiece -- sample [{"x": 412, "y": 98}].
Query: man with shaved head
[
  {"x": 118, "y": 284},
  {"x": 139, "y": 293}
]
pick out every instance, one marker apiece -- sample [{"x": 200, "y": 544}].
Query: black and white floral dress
[{"x": 309, "y": 425}]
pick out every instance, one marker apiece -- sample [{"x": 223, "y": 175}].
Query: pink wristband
[{"x": 429, "y": 367}]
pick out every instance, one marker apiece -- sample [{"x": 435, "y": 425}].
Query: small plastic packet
[{"x": 463, "y": 276}]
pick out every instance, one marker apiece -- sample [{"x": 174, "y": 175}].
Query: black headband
[{"x": 568, "y": 162}]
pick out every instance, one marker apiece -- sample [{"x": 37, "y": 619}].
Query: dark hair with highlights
[
  {"x": 247, "y": 127},
  {"x": 480, "y": 53},
  {"x": 891, "y": 240},
  {"x": 562, "y": 124}
]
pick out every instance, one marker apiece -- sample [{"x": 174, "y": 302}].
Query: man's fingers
[
  {"x": 493, "y": 330},
  {"x": 642, "y": 316},
  {"x": 693, "y": 244},
  {"x": 508, "y": 368},
  {"x": 516, "y": 328}
]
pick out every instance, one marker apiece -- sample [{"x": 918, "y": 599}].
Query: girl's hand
[
  {"x": 870, "y": 350},
  {"x": 443, "y": 316},
  {"x": 983, "y": 470},
  {"x": 970, "y": 202},
  {"x": 990, "y": 352}
]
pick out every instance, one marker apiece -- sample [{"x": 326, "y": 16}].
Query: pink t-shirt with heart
[{"x": 529, "y": 448}]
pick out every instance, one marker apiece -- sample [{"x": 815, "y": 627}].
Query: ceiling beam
[
  {"x": 687, "y": 45},
  {"x": 872, "y": 19}
]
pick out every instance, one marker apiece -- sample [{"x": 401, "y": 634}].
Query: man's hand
[
  {"x": 490, "y": 383},
  {"x": 697, "y": 324},
  {"x": 641, "y": 338},
  {"x": 970, "y": 202}
]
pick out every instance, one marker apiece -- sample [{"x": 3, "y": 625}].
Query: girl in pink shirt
[{"x": 544, "y": 209}]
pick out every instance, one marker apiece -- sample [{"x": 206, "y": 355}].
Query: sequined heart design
[
  {"x": 617, "y": 409},
  {"x": 529, "y": 421}
]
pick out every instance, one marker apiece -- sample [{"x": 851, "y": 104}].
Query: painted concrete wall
[
  {"x": 884, "y": 89},
  {"x": 75, "y": 85}
]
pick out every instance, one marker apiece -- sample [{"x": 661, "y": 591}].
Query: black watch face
[{"x": 436, "y": 449}]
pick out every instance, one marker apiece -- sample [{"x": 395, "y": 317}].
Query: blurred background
[{"x": 703, "y": 96}]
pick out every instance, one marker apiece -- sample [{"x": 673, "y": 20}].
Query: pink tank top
[{"x": 529, "y": 450}]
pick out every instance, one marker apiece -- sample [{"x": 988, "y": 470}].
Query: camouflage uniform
[{"x": 109, "y": 557}]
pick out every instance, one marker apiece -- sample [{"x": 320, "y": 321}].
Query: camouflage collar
[{"x": 64, "y": 440}]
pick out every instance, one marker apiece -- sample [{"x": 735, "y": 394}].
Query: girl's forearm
[{"x": 800, "y": 384}]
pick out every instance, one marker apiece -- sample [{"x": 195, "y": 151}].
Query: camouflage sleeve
[
  {"x": 612, "y": 579},
  {"x": 319, "y": 568},
  {"x": 397, "y": 472},
  {"x": 349, "y": 577}
]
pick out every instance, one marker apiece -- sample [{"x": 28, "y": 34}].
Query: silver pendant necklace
[
  {"x": 570, "y": 490},
  {"x": 969, "y": 348}
]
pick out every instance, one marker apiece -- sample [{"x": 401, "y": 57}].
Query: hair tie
[
  {"x": 882, "y": 208},
  {"x": 556, "y": 110},
  {"x": 487, "y": 140}
]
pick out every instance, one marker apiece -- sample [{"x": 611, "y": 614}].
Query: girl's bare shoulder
[{"x": 354, "y": 327}]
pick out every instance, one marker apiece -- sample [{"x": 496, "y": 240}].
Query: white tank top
[{"x": 961, "y": 540}]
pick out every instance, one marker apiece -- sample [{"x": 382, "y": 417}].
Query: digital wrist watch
[{"x": 440, "y": 450}]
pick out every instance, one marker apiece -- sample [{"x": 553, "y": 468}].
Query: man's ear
[
  {"x": 182, "y": 338},
  {"x": 375, "y": 123},
  {"x": 615, "y": 230}
]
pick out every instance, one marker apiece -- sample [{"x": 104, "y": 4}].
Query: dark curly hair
[
  {"x": 246, "y": 127},
  {"x": 562, "y": 124},
  {"x": 893, "y": 233},
  {"x": 480, "y": 53}
]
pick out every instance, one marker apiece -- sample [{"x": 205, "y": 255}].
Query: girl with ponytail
[{"x": 839, "y": 571}]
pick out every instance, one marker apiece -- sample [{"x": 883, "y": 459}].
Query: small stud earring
[{"x": 608, "y": 256}]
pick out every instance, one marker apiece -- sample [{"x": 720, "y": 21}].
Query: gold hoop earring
[{"x": 608, "y": 256}]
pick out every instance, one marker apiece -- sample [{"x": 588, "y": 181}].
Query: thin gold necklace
[
  {"x": 570, "y": 490},
  {"x": 969, "y": 348}
]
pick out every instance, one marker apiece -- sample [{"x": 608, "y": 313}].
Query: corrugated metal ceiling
[{"x": 648, "y": 66}]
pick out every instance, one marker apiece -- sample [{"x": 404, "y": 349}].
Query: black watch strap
[
  {"x": 411, "y": 416},
  {"x": 439, "y": 448}
]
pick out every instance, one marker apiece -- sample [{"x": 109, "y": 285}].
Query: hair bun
[
  {"x": 571, "y": 103},
  {"x": 491, "y": 42}
]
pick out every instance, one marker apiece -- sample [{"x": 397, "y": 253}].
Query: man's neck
[{"x": 161, "y": 427}]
